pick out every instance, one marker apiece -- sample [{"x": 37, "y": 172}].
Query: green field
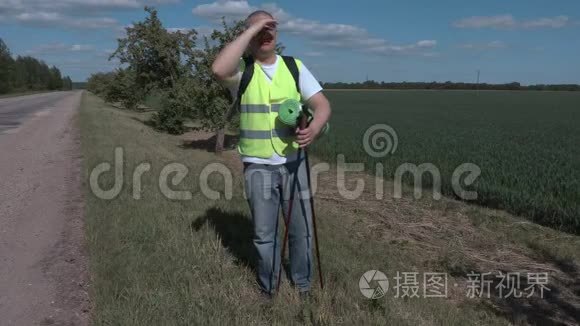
[{"x": 526, "y": 143}]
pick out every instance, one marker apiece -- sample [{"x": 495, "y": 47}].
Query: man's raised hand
[{"x": 265, "y": 23}]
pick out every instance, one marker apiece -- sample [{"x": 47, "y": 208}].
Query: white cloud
[
  {"x": 484, "y": 46},
  {"x": 426, "y": 43},
  {"x": 96, "y": 4},
  {"x": 404, "y": 49},
  {"x": 81, "y": 48},
  {"x": 38, "y": 17},
  {"x": 232, "y": 9},
  {"x": 500, "y": 21},
  {"x": 79, "y": 5},
  {"x": 60, "y": 48},
  {"x": 509, "y": 22},
  {"x": 94, "y": 23},
  {"x": 55, "y": 19},
  {"x": 321, "y": 34},
  {"x": 10, "y": 6},
  {"x": 276, "y": 11},
  {"x": 178, "y": 29},
  {"x": 554, "y": 22},
  {"x": 70, "y": 14}
]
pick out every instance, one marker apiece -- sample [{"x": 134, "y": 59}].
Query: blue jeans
[{"x": 267, "y": 188}]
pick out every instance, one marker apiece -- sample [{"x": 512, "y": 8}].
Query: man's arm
[
  {"x": 226, "y": 63},
  {"x": 321, "y": 107}
]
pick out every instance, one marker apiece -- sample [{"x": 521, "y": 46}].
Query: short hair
[{"x": 256, "y": 13}]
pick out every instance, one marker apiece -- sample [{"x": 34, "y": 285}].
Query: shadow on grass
[
  {"x": 143, "y": 121},
  {"x": 149, "y": 123},
  {"x": 560, "y": 305},
  {"x": 230, "y": 142},
  {"x": 235, "y": 231},
  {"x": 139, "y": 109}
]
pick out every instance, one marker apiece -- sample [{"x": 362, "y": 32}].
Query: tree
[
  {"x": 6, "y": 68},
  {"x": 213, "y": 101},
  {"x": 177, "y": 105},
  {"x": 98, "y": 83},
  {"x": 26, "y": 73},
  {"x": 42, "y": 75},
  {"x": 122, "y": 88},
  {"x": 155, "y": 55},
  {"x": 20, "y": 78},
  {"x": 55, "y": 79},
  {"x": 67, "y": 84}
]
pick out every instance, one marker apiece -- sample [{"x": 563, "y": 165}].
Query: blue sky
[{"x": 526, "y": 41}]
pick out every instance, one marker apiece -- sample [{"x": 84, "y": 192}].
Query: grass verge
[{"x": 156, "y": 261}]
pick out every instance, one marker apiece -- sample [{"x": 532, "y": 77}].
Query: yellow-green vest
[{"x": 261, "y": 132}]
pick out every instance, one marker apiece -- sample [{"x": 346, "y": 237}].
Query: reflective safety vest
[{"x": 261, "y": 132}]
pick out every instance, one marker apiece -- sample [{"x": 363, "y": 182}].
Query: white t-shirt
[{"x": 309, "y": 86}]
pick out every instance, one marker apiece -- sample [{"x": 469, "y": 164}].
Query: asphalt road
[
  {"x": 15, "y": 110},
  {"x": 43, "y": 266}
]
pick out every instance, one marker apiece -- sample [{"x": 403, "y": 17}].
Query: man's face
[{"x": 265, "y": 40}]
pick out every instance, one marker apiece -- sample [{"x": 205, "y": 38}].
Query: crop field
[{"x": 525, "y": 143}]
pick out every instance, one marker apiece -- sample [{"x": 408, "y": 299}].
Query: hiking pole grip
[{"x": 303, "y": 123}]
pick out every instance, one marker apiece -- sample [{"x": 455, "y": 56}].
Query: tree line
[
  {"x": 515, "y": 86},
  {"x": 26, "y": 73}
]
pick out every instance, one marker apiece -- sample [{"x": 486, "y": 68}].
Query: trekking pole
[
  {"x": 291, "y": 204},
  {"x": 303, "y": 125},
  {"x": 287, "y": 223},
  {"x": 313, "y": 220}
]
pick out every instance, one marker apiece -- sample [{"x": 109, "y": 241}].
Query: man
[{"x": 269, "y": 152}]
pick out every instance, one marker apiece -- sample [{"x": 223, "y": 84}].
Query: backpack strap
[
  {"x": 249, "y": 73},
  {"x": 293, "y": 67},
  {"x": 246, "y": 76}
]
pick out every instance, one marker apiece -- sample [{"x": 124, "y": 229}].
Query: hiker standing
[{"x": 269, "y": 149}]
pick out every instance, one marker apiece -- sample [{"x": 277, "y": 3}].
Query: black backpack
[{"x": 249, "y": 73}]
